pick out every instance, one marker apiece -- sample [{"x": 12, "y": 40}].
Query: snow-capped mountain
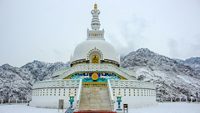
[
  {"x": 41, "y": 70},
  {"x": 16, "y": 83},
  {"x": 174, "y": 77}
]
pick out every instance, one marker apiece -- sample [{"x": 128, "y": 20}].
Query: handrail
[
  {"x": 111, "y": 95},
  {"x": 79, "y": 94}
]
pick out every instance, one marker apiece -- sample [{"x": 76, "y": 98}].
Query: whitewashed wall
[
  {"x": 48, "y": 93},
  {"x": 134, "y": 93}
]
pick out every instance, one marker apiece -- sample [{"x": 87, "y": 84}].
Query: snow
[
  {"x": 183, "y": 78},
  {"x": 160, "y": 108},
  {"x": 21, "y": 108},
  {"x": 170, "y": 108}
]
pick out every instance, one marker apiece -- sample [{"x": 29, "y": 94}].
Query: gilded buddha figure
[{"x": 95, "y": 59}]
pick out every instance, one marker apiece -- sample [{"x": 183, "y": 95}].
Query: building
[{"x": 95, "y": 79}]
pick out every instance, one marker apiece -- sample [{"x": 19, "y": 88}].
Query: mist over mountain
[{"x": 174, "y": 77}]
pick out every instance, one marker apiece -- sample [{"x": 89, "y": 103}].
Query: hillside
[{"x": 174, "y": 78}]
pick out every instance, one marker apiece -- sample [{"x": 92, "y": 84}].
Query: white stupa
[{"x": 95, "y": 79}]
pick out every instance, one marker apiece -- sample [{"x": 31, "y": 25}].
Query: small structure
[
  {"x": 125, "y": 108},
  {"x": 119, "y": 100}
]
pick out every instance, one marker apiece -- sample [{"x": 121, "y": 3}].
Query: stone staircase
[{"x": 95, "y": 98}]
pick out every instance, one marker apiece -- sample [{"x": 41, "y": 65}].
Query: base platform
[{"x": 95, "y": 111}]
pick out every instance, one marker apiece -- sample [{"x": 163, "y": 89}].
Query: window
[
  {"x": 64, "y": 92},
  {"x": 54, "y": 92},
  {"x": 141, "y": 92},
  {"x": 59, "y": 92}
]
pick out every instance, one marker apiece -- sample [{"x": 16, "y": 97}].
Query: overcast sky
[{"x": 49, "y": 30}]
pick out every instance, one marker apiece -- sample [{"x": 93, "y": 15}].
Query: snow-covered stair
[{"x": 95, "y": 98}]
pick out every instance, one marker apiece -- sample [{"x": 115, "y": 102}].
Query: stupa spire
[
  {"x": 95, "y": 33},
  {"x": 95, "y": 24}
]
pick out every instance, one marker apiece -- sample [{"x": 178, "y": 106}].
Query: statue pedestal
[{"x": 118, "y": 109}]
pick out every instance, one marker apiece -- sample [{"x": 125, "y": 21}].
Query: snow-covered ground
[{"x": 160, "y": 108}]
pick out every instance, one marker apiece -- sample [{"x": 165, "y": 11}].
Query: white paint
[{"x": 81, "y": 51}]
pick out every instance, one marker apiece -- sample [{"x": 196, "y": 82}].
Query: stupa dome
[{"x": 105, "y": 49}]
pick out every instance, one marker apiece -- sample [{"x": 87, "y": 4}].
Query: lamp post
[
  {"x": 119, "y": 100},
  {"x": 71, "y": 100}
]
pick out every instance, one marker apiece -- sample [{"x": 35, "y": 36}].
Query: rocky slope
[
  {"x": 41, "y": 70},
  {"x": 174, "y": 77},
  {"x": 194, "y": 63},
  {"x": 16, "y": 83}
]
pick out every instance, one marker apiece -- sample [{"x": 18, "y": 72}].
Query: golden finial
[{"x": 95, "y": 6}]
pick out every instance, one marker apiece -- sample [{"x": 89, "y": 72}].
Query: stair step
[
  {"x": 95, "y": 98},
  {"x": 95, "y": 111}
]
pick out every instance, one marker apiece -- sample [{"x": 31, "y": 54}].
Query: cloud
[
  {"x": 194, "y": 49},
  {"x": 173, "y": 47},
  {"x": 166, "y": 27},
  {"x": 132, "y": 32},
  {"x": 184, "y": 47}
]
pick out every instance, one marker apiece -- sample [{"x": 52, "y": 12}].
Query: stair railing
[
  {"x": 79, "y": 94},
  {"x": 111, "y": 95}
]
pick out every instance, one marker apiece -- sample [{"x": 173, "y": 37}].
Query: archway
[{"x": 95, "y": 57}]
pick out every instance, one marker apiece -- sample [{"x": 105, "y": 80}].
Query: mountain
[
  {"x": 193, "y": 62},
  {"x": 41, "y": 70},
  {"x": 16, "y": 83},
  {"x": 174, "y": 77}
]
